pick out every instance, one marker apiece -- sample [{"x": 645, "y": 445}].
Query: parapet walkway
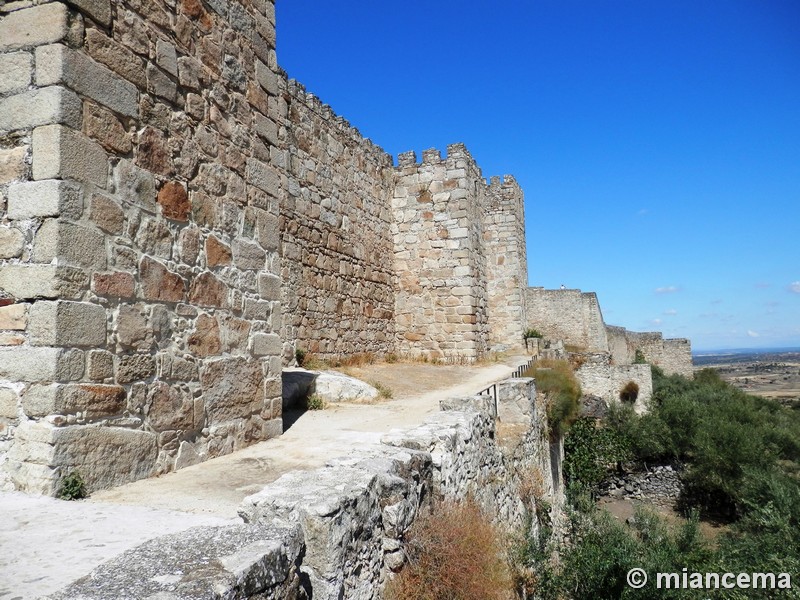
[{"x": 46, "y": 544}]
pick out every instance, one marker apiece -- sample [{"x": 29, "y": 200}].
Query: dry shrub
[
  {"x": 454, "y": 553},
  {"x": 630, "y": 392}
]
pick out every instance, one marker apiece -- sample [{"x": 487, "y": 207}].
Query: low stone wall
[
  {"x": 661, "y": 484},
  {"x": 337, "y": 532}
]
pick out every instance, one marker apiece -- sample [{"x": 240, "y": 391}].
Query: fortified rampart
[
  {"x": 178, "y": 218},
  {"x": 569, "y": 315},
  {"x": 338, "y": 255}
]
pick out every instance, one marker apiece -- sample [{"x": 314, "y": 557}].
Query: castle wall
[
  {"x": 139, "y": 270},
  {"x": 441, "y": 297},
  {"x": 506, "y": 263},
  {"x": 569, "y": 315},
  {"x": 674, "y": 356},
  {"x": 600, "y": 377},
  {"x": 337, "y": 254}
]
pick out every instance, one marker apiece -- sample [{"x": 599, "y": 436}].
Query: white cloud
[
  {"x": 668, "y": 289},
  {"x": 642, "y": 212},
  {"x": 656, "y": 321},
  {"x": 752, "y": 334},
  {"x": 670, "y": 312},
  {"x": 795, "y": 287}
]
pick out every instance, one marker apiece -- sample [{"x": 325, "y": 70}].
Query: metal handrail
[{"x": 492, "y": 389}]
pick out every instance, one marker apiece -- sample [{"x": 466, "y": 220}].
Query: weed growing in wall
[
  {"x": 72, "y": 487},
  {"x": 315, "y": 402},
  {"x": 454, "y": 552},
  {"x": 532, "y": 333}
]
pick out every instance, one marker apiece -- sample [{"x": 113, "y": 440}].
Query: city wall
[
  {"x": 140, "y": 275},
  {"x": 177, "y": 219},
  {"x": 569, "y": 315},
  {"x": 338, "y": 255}
]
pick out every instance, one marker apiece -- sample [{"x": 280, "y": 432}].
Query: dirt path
[{"x": 46, "y": 544}]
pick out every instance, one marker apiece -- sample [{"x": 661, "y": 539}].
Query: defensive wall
[
  {"x": 575, "y": 318},
  {"x": 177, "y": 218}
]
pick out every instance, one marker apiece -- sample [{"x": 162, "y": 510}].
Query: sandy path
[{"x": 46, "y": 544}]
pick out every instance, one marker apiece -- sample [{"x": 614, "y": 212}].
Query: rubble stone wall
[
  {"x": 506, "y": 263},
  {"x": 139, "y": 274},
  {"x": 441, "y": 297},
  {"x": 337, "y": 261}
]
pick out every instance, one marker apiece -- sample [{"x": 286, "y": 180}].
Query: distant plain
[{"x": 771, "y": 373}]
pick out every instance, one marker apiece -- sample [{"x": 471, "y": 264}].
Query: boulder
[{"x": 338, "y": 387}]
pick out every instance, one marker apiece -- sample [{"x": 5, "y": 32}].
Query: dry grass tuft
[{"x": 454, "y": 553}]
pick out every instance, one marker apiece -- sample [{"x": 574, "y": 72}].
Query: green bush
[
  {"x": 590, "y": 452},
  {"x": 532, "y": 333},
  {"x": 315, "y": 402},
  {"x": 300, "y": 356},
  {"x": 71, "y": 487},
  {"x": 557, "y": 380}
]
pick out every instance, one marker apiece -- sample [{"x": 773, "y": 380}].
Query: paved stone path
[{"x": 46, "y": 544}]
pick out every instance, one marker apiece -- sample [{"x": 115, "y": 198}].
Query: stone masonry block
[
  {"x": 158, "y": 283},
  {"x": 114, "y": 285},
  {"x": 105, "y": 456},
  {"x": 26, "y": 282},
  {"x": 16, "y": 70},
  {"x": 107, "y": 214},
  {"x": 70, "y": 244},
  {"x": 67, "y": 324},
  {"x": 116, "y": 57},
  {"x": 248, "y": 256},
  {"x": 266, "y": 344},
  {"x": 58, "y": 64},
  {"x": 12, "y": 163},
  {"x": 102, "y": 125},
  {"x": 92, "y": 400},
  {"x": 269, "y": 286},
  {"x": 14, "y": 317},
  {"x": 29, "y": 363},
  {"x": 62, "y": 153},
  {"x": 40, "y": 107},
  {"x": 8, "y": 404},
  {"x": 135, "y": 185},
  {"x": 12, "y": 242},
  {"x": 267, "y": 78},
  {"x": 99, "y": 10},
  {"x": 99, "y": 365},
  {"x": 264, "y": 177},
  {"x": 46, "y": 198},
  {"x": 34, "y": 26}
]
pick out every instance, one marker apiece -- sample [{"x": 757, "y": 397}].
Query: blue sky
[{"x": 658, "y": 142}]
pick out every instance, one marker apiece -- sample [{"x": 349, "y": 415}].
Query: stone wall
[
  {"x": 337, "y": 532},
  {"x": 569, "y": 315},
  {"x": 440, "y": 266},
  {"x": 337, "y": 260},
  {"x": 140, "y": 278},
  {"x": 599, "y": 377},
  {"x": 674, "y": 356},
  {"x": 506, "y": 263}
]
